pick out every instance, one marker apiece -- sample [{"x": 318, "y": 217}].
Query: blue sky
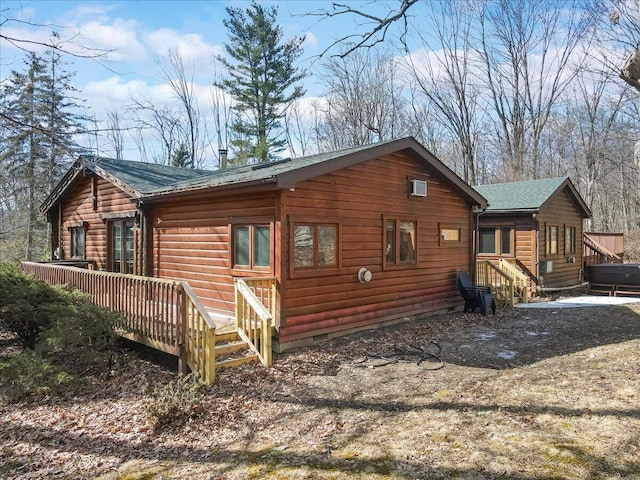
[{"x": 137, "y": 33}]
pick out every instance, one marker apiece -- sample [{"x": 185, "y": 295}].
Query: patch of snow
[
  {"x": 507, "y": 354},
  {"x": 535, "y": 334},
  {"x": 487, "y": 336},
  {"x": 582, "y": 301}
]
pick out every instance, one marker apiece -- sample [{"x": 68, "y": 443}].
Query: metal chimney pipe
[{"x": 223, "y": 157}]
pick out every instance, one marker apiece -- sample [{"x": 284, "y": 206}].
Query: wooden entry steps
[
  {"x": 168, "y": 316},
  {"x": 232, "y": 351}
]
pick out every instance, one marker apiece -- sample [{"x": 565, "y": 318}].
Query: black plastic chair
[{"x": 475, "y": 296}]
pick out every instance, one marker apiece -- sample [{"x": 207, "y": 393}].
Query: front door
[{"x": 122, "y": 246}]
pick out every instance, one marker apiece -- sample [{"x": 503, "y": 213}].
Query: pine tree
[
  {"x": 37, "y": 125},
  {"x": 181, "y": 157},
  {"x": 262, "y": 79}
]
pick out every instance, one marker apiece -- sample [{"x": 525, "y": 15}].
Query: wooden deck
[{"x": 167, "y": 315}]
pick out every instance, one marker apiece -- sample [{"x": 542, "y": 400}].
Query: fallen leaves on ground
[{"x": 564, "y": 405}]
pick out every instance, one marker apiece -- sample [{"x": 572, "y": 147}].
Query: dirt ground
[{"x": 525, "y": 394}]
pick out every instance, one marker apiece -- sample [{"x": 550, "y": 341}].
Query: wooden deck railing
[
  {"x": 596, "y": 252},
  {"x": 502, "y": 285},
  {"x": 255, "y": 313},
  {"x": 163, "y": 314}
]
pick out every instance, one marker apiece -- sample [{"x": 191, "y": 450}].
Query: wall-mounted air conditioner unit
[{"x": 418, "y": 188}]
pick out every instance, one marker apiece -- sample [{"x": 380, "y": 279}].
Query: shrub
[
  {"x": 64, "y": 334},
  {"x": 27, "y": 374},
  {"x": 176, "y": 403},
  {"x": 80, "y": 335},
  {"x": 26, "y": 305}
]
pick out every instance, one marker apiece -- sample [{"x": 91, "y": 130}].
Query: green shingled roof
[
  {"x": 143, "y": 177},
  {"x": 259, "y": 172},
  {"x": 151, "y": 178},
  {"x": 148, "y": 180},
  {"x": 527, "y": 195}
]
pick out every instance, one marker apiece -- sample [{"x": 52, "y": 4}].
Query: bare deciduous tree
[
  {"x": 444, "y": 73},
  {"x": 115, "y": 133},
  {"x": 527, "y": 48},
  {"x": 377, "y": 26},
  {"x": 183, "y": 88},
  {"x": 364, "y": 102}
]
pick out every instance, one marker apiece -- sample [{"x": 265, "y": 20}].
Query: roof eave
[
  {"x": 580, "y": 203},
  {"x": 60, "y": 188},
  {"x": 125, "y": 187},
  {"x": 513, "y": 211},
  {"x": 268, "y": 183}
]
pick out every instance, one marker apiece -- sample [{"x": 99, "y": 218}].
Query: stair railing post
[
  {"x": 210, "y": 355},
  {"x": 181, "y": 327}
]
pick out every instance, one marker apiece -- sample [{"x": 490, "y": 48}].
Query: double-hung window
[
  {"x": 570, "y": 240},
  {"x": 552, "y": 240}
]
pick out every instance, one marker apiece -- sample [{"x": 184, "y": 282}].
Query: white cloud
[
  {"x": 310, "y": 40},
  {"x": 192, "y": 47},
  {"x": 120, "y": 38},
  {"x": 95, "y": 11}
]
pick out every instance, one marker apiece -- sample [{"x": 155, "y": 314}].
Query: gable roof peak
[{"x": 528, "y": 195}]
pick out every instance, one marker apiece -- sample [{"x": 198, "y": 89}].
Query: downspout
[
  {"x": 142, "y": 232},
  {"x": 477, "y": 211},
  {"x": 560, "y": 289},
  {"x": 536, "y": 258}
]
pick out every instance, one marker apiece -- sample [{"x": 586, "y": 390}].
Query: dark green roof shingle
[
  {"x": 527, "y": 195},
  {"x": 143, "y": 177}
]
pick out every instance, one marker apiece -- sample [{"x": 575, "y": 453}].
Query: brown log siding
[
  {"x": 561, "y": 211},
  {"x": 358, "y": 197},
  {"x": 191, "y": 242},
  {"x": 78, "y": 208}
]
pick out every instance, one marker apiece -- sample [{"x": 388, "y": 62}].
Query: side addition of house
[{"x": 540, "y": 224}]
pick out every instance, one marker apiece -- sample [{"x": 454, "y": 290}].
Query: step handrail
[
  {"x": 519, "y": 278},
  {"x": 199, "y": 337},
  {"x": 253, "y": 321},
  {"x": 597, "y": 247}
]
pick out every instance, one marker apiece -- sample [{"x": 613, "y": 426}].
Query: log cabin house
[
  {"x": 352, "y": 238},
  {"x": 538, "y": 225}
]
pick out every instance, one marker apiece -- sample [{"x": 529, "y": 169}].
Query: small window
[
  {"x": 505, "y": 240},
  {"x": 251, "y": 247},
  {"x": 570, "y": 240},
  {"x": 449, "y": 234},
  {"x": 315, "y": 246},
  {"x": 487, "y": 240},
  {"x": 400, "y": 240},
  {"x": 496, "y": 241},
  {"x": 552, "y": 240},
  {"x": 77, "y": 242}
]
